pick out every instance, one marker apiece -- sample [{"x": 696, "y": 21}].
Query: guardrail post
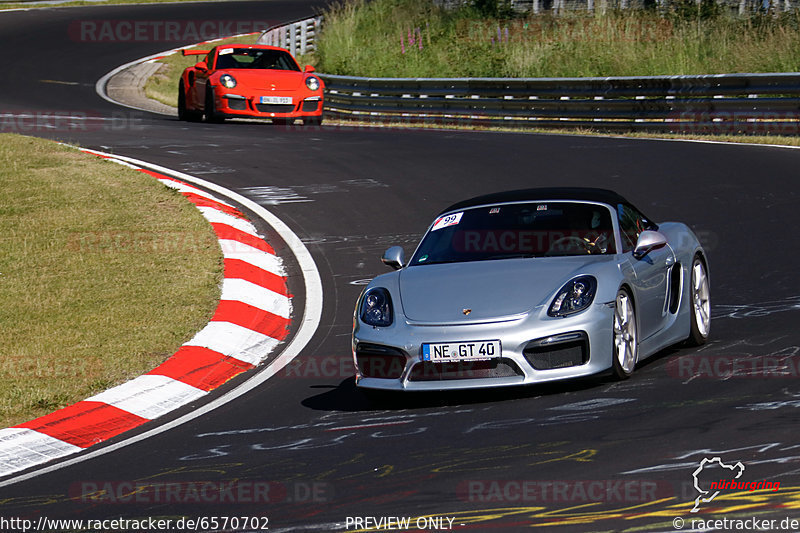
[
  {"x": 303, "y": 37},
  {"x": 298, "y": 37}
]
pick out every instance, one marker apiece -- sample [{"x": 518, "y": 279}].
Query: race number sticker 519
[{"x": 447, "y": 220}]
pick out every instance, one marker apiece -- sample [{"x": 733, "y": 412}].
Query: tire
[
  {"x": 700, "y": 302},
  {"x": 312, "y": 121},
  {"x": 625, "y": 332},
  {"x": 210, "y": 108},
  {"x": 183, "y": 113}
]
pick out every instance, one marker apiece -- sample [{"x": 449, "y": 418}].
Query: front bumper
[
  {"x": 535, "y": 349},
  {"x": 239, "y": 104}
]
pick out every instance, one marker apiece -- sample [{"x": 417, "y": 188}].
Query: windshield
[
  {"x": 518, "y": 230},
  {"x": 255, "y": 58}
]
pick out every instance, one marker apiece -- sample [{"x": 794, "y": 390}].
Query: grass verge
[
  {"x": 104, "y": 273},
  {"x": 414, "y": 38},
  {"x": 163, "y": 85}
]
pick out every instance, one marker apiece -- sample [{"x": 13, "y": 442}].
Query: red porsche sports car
[{"x": 249, "y": 81}]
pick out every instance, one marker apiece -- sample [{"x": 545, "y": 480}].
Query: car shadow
[{"x": 349, "y": 398}]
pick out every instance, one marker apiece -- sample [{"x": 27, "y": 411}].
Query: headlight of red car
[
  {"x": 227, "y": 81},
  {"x": 312, "y": 83}
]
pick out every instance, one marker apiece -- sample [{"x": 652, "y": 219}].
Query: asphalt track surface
[{"x": 594, "y": 455}]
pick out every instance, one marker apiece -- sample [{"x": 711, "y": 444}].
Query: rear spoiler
[{"x": 194, "y": 52}]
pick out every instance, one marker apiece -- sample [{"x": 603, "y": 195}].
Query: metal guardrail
[
  {"x": 725, "y": 103},
  {"x": 297, "y": 37},
  {"x": 722, "y": 103}
]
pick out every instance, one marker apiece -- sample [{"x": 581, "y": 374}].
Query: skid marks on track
[
  {"x": 335, "y": 429},
  {"x": 756, "y": 358},
  {"x": 754, "y": 454},
  {"x": 756, "y": 310},
  {"x": 276, "y": 195},
  {"x": 331, "y": 429}
]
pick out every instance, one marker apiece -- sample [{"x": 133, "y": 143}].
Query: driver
[{"x": 598, "y": 235}]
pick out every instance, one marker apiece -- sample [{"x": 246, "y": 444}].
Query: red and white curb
[{"x": 251, "y": 320}]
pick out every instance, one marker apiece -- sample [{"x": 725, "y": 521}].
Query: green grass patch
[
  {"x": 414, "y": 38},
  {"x": 104, "y": 273},
  {"x": 163, "y": 85}
]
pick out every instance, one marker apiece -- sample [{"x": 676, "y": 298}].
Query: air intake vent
[
  {"x": 558, "y": 351},
  {"x": 376, "y": 361},
  {"x": 275, "y": 108}
]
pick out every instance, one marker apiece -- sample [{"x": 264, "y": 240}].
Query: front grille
[
  {"x": 495, "y": 368},
  {"x": 309, "y": 106},
  {"x": 275, "y": 108},
  {"x": 559, "y": 351},
  {"x": 376, "y": 361}
]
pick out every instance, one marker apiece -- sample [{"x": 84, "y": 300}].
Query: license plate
[
  {"x": 461, "y": 351},
  {"x": 276, "y": 100}
]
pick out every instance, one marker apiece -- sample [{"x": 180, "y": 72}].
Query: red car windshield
[{"x": 254, "y": 58}]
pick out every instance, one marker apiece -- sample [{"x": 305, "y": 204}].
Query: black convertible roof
[{"x": 586, "y": 194}]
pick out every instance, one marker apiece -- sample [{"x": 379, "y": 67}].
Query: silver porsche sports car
[{"x": 531, "y": 286}]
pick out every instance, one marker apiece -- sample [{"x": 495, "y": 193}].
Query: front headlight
[
  {"x": 575, "y": 296},
  {"x": 376, "y": 308},
  {"x": 227, "y": 81},
  {"x": 312, "y": 83}
]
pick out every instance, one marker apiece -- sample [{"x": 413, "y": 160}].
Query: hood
[
  {"x": 284, "y": 80},
  {"x": 492, "y": 290}
]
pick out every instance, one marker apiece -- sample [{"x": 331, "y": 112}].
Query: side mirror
[
  {"x": 648, "y": 241},
  {"x": 394, "y": 257},
  {"x": 309, "y": 68},
  {"x": 201, "y": 66}
]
